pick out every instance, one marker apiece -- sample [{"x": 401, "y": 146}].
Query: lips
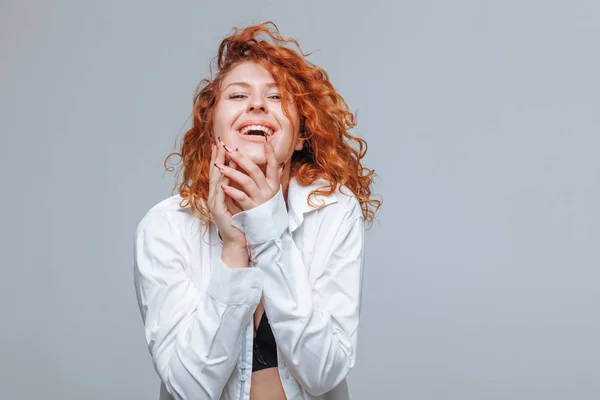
[
  {"x": 266, "y": 128},
  {"x": 257, "y": 122},
  {"x": 257, "y": 128}
]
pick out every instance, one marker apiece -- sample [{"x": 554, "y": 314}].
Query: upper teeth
[{"x": 266, "y": 130}]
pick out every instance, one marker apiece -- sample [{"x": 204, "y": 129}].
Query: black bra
[{"x": 265, "y": 348}]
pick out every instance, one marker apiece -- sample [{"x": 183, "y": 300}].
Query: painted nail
[
  {"x": 236, "y": 149},
  {"x": 225, "y": 147},
  {"x": 219, "y": 137}
]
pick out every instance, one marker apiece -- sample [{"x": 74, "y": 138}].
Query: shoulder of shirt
[
  {"x": 170, "y": 204},
  {"x": 348, "y": 201},
  {"x": 342, "y": 200},
  {"x": 169, "y": 211}
]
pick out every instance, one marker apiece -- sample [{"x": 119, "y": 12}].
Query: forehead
[{"x": 250, "y": 72}]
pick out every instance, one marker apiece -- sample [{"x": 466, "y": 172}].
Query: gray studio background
[{"x": 483, "y": 124}]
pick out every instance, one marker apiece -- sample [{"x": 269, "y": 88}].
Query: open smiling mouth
[{"x": 256, "y": 132}]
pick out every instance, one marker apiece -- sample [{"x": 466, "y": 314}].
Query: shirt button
[
  {"x": 243, "y": 367},
  {"x": 243, "y": 378}
]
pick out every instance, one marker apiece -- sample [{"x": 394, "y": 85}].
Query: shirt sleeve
[
  {"x": 194, "y": 337},
  {"x": 315, "y": 326}
]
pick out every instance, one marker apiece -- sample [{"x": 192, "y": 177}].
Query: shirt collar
[{"x": 297, "y": 200}]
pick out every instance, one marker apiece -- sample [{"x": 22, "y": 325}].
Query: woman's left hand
[{"x": 256, "y": 187}]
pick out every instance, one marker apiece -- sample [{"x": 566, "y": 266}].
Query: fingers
[
  {"x": 215, "y": 192},
  {"x": 212, "y": 176},
  {"x": 240, "y": 197},
  {"x": 220, "y": 159},
  {"x": 272, "y": 175},
  {"x": 234, "y": 199},
  {"x": 253, "y": 187},
  {"x": 247, "y": 165},
  {"x": 246, "y": 183},
  {"x": 217, "y": 156},
  {"x": 219, "y": 194},
  {"x": 213, "y": 158}
]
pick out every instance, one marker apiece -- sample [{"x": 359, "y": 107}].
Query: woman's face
[{"x": 248, "y": 108}]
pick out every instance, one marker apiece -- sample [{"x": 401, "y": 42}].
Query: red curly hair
[{"x": 324, "y": 121}]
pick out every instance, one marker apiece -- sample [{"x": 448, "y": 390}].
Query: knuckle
[
  {"x": 255, "y": 169},
  {"x": 237, "y": 196}
]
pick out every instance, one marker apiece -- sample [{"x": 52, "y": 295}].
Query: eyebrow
[{"x": 247, "y": 85}]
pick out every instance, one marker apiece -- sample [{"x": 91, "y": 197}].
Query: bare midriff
[{"x": 266, "y": 383}]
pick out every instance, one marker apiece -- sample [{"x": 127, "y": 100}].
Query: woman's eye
[
  {"x": 237, "y": 96},
  {"x": 275, "y": 96}
]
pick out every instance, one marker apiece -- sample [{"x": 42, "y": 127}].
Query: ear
[{"x": 299, "y": 145}]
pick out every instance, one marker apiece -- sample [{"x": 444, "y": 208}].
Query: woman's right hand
[{"x": 219, "y": 205}]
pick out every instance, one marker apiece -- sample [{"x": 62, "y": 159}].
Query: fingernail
[
  {"x": 236, "y": 149},
  {"x": 219, "y": 137},
  {"x": 225, "y": 147}
]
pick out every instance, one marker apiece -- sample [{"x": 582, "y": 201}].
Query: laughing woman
[{"x": 249, "y": 279}]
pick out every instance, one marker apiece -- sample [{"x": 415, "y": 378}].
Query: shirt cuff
[
  {"x": 235, "y": 285},
  {"x": 265, "y": 222}
]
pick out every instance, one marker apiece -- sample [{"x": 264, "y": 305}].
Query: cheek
[
  {"x": 292, "y": 125},
  {"x": 218, "y": 125},
  {"x": 295, "y": 120},
  {"x": 222, "y": 119}
]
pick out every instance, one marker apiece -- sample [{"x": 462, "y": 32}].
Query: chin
[{"x": 254, "y": 153}]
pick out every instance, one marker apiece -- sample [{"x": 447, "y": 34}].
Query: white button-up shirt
[{"x": 198, "y": 312}]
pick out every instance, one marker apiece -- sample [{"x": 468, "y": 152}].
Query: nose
[{"x": 257, "y": 104}]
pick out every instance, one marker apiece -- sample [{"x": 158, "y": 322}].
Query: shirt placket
[{"x": 245, "y": 362}]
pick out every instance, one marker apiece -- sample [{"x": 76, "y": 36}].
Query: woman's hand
[
  {"x": 256, "y": 187},
  {"x": 220, "y": 207}
]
